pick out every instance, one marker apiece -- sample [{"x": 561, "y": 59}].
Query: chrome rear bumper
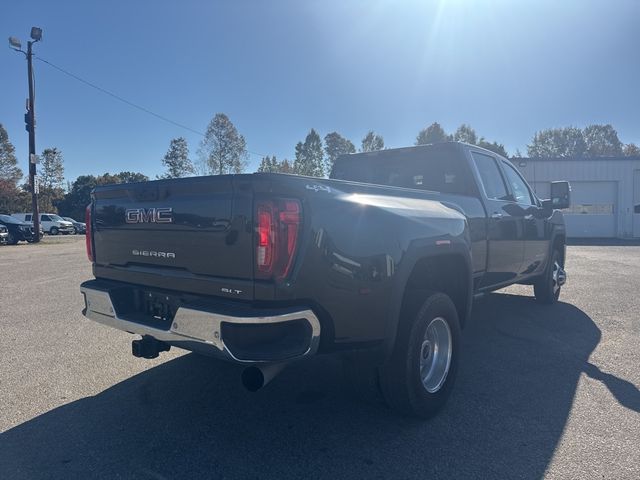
[{"x": 202, "y": 329}]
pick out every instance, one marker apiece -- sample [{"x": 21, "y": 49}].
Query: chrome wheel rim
[
  {"x": 557, "y": 277},
  {"x": 435, "y": 355}
]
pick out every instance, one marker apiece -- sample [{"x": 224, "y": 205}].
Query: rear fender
[{"x": 457, "y": 248}]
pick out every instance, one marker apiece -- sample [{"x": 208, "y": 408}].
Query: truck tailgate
[{"x": 198, "y": 229}]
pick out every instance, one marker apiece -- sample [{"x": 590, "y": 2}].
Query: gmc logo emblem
[{"x": 149, "y": 215}]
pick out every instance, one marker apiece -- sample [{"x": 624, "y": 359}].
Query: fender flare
[
  {"x": 558, "y": 231},
  {"x": 412, "y": 258}
]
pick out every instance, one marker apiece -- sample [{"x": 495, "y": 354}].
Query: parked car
[
  {"x": 4, "y": 235},
  {"x": 379, "y": 263},
  {"x": 80, "y": 227},
  {"x": 17, "y": 230},
  {"x": 50, "y": 222}
]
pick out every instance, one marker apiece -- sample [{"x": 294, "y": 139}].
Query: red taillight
[
  {"x": 290, "y": 219},
  {"x": 266, "y": 238},
  {"x": 87, "y": 221},
  {"x": 278, "y": 231}
]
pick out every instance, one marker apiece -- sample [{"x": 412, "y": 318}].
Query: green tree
[
  {"x": 51, "y": 179},
  {"x": 51, "y": 169},
  {"x": 602, "y": 141},
  {"x": 334, "y": 146},
  {"x": 285, "y": 166},
  {"x": 9, "y": 169},
  {"x": 558, "y": 142},
  {"x": 466, "y": 134},
  {"x": 79, "y": 192},
  {"x": 309, "y": 156},
  {"x": 12, "y": 198},
  {"x": 272, "y": 165},
  {"x": 434, "y": 133},
  {"x": 223, "y": 150},
  {"x": 269, "y": 165},
  {"x": 78, "y": 197},
  {"x": 123, "y": 177},
  {"x": 176, "y": 160},
  {"x": 631, "y": 150},
  {"x": 494, "y": 147},
  {"x": 372, "y": 142}
]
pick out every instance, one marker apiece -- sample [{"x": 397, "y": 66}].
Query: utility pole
[
  {"x": 30, "y": 121},
  {"x": 31, "y": 126}
]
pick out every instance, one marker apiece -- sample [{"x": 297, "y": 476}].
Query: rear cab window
[{"x": 434, "y": 169}]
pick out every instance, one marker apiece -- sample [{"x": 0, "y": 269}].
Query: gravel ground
[{"x": 542, "y": 392}]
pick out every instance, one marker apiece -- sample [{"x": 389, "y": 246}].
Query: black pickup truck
[{"x": 379, "y": 263}]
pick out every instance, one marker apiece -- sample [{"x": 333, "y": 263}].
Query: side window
[
  {"x": 27, "y": 218},
  {"x": 518, "y": 186},
  {"x": 45, "y": 218},
  {"x": 490, "y": 176}
]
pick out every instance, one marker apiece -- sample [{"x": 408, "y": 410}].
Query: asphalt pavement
[{"x": 542, "y": 392}]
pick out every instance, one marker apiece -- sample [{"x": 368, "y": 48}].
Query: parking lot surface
[{"x": 542, "y": 392}]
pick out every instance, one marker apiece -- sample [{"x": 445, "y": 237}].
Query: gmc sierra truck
[{"x": 380, "y": 263}]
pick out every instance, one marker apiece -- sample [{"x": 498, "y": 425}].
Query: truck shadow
[{"x": 190, "y": 418}]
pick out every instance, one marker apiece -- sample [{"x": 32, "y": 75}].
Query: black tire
[
  {"x": 11, "y": 240},
  {"x": 400, "y": 378},
  {"x": 544, "y": 287},
  {"x": 53, "y": 231}
]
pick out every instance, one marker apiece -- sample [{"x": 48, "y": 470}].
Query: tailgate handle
[{"x": 146, "y": 194}]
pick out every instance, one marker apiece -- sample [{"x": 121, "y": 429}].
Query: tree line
[
  {"x": 54, "y": 196},
  {"x": 315, "y": 159},
  {"x": 591, "y": 141},
  {"x": 223, "y": 150}
]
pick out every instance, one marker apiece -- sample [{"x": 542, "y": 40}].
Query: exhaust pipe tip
[
  {"x": 252, "y": 379},
  {"x": 257, "y": 376}
]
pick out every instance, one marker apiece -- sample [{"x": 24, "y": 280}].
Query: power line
[
  {"x": 127, "y": 102},
  {"x": 118, "y": 97}
]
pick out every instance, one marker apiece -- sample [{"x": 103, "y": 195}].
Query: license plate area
[{"x": 159, "y": 307}]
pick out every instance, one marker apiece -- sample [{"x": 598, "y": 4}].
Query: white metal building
[{"x": 605, "y": 192}]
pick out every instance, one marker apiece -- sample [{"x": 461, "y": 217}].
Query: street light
[
  {"x": 36, "y": 34},
  {"x": 30, "y": 120},
  {"x": 15, "y": 43}
]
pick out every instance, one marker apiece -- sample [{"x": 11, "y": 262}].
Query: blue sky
[{"x": 279, "y": 68}]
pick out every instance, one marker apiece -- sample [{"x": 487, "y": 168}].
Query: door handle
[
  {"x": 528, "y": 217},
  {"x": 496, "y": 215}
]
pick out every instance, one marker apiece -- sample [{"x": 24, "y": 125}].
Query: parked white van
[{"x": 49, "y": 222}]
